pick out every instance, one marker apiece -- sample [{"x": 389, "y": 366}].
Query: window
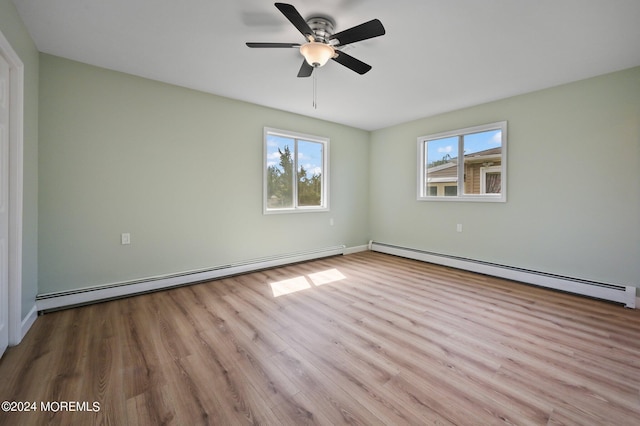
[
  {"x": 295, "y": 172},
  {"x": 464, "y": 165}
]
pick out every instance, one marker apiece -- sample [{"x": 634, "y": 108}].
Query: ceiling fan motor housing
[{"x": 322, "y": 27}]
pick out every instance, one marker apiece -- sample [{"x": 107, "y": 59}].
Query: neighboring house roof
[
  {"x": 448, "y": 172},
  {"x": 486, "y": 152}
]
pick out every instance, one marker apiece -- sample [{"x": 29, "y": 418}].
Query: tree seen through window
[{"x": 294, "y": 173}]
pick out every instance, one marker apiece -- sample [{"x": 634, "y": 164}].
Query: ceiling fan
[{"x": 322, "y": 44}]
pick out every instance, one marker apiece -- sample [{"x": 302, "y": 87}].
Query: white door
[{"x": 4, "y": 204}]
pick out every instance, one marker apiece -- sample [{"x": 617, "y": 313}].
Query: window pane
[
  {"x": 441, "y": 171},
  {"x": 464, "y": 165},
  {"x": 310, "y": 173},
  {"x": 492, "y": 183},
  {"x": 296, "y": 171},
  {"x": 482, "y": 150},
  {"x": 450, "y": 191},
  {"x": 279, "y": 172}
]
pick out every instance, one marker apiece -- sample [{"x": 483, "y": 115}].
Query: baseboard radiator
[
  {"x": 83, "y": 296},
  {"x": 610, "y": 292}
]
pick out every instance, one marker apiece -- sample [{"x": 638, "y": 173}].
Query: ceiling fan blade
[
  {"x": 360, "y": 32},
  {"x": 273, "y": 44},
  {"x": 296, "y": 19},
  {"x": 351, "y": 62},
  {"x": 305, "y": 69}
]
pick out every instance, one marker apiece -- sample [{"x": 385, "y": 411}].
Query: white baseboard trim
[
  {"x": 611, "y": 292},
  {"x": 28, "y": 321},
  {"x": 356, "y": 249},
  {"x": 59, "y": 300}
]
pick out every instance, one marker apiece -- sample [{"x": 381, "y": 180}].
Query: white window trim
[
  {"x": 422, "y": 193},
  {"x": 325, "y": 172}
]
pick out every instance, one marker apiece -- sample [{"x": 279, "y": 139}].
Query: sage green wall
[
  {"x": 16, "y": 33},
  {"x": 573, "y": 184},
  {"x": 180, "y": 170}
]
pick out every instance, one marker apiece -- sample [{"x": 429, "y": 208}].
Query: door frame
[{"x": 16, "y": 159}]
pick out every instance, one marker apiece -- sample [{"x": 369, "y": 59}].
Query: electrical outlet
[{"x": 125, "y": 238}]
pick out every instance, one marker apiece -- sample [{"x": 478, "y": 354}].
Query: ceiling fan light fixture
[{"x": 317, "y": 54}]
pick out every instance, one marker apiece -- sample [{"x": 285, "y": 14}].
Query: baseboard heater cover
[
  {"x": 610, "y": 292},
  {"x": 59, "y": 300}
]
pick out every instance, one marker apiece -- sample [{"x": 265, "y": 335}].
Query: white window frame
[
  {"x": 422, "y": 190},
  {"x": 324, "y": 204}
]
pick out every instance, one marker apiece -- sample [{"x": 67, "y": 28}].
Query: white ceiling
[{"x": 437, "y": 55}]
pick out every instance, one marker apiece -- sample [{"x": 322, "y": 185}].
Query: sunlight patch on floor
[
  {"x": 326, "y": 277},
  {"x": 292, "y": 285}
]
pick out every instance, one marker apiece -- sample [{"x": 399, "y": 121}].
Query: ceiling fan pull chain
[{"x": 315, "y": 90}]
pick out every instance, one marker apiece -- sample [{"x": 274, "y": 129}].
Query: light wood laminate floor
[{"x": 366, "y": 339}]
